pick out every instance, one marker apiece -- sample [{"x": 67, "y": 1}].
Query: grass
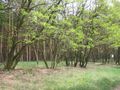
[
  {"x": 98, "y": 79},
  {"x": 94, "y": 77},
  {"x": 33, "y": 64}
]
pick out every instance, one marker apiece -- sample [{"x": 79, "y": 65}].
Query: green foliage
[
  {"x": 2, "y": 13},
  {"x": 70, "y": 23}
]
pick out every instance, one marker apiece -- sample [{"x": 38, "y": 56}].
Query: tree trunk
[{"x": 44, "y": 54}]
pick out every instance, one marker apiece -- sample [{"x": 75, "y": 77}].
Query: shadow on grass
[{"x": 116, "y": 67}]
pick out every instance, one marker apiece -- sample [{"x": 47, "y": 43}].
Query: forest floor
[
  {"x": 28, "y": 76},
  {"x": 117, "y": 87}
]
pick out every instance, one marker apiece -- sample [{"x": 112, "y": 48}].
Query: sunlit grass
[{"x": 33, "y": 64}]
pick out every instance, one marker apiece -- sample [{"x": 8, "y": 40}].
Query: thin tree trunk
[
  {"x": 44, "y": 54},
  {"x": 36, "y": 54}
]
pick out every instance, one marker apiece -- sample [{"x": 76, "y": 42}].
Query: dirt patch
[
  {"x": 117, "y": 88},
  {"x": 21, "y": 72},
  {"x": 11, "y": 79},
  {"x": 1, "y": 72},
  {"x": 45, "y": 71},
  {"x": 7, "y": 80}
]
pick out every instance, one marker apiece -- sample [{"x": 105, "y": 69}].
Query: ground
[
  {"x": 117, "y": 88},
  {"x": 94, "y": 77}
]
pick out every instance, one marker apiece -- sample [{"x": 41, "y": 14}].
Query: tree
[{"x": 21, "y": 11}]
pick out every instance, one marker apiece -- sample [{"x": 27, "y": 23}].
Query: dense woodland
[{"x": 72, "y": 31}]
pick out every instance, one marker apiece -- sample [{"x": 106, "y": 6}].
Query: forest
[{"x": 60, "y": 44}]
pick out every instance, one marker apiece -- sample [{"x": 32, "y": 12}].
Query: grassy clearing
[{"x": 95, "y": 77}]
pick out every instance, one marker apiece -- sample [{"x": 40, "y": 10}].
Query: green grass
[
  {"x": 95, "y": 77},
  {"x": 33, "y": 64},
  {"x": 99, "y": 79},
  {"x": 28, "y": 64}
]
